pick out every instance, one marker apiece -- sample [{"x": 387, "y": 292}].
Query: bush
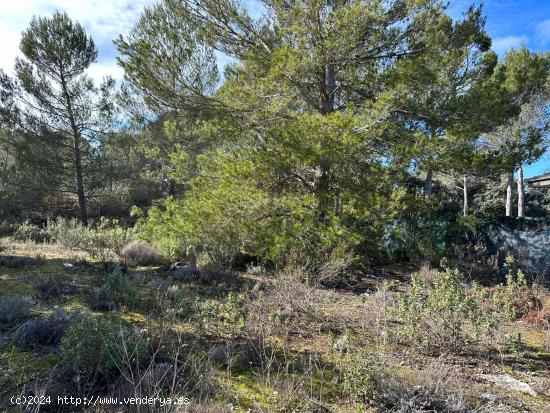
[
  {"x": 53, "y": 287},
  {"x": 117, "y": 289},
  {"x": 28, "y": 232},
  {"x": 435, "y": 389},
  {"x": 69, "y": 233},
  {"x": 514, "y": 299},
  {"x": 437, "y": 317},
  {"x": 359, "y": 376},
  {"x": 3, "y": 244},
  {"x": 107, "y": 238},
  {"x": 14, "y": 308},
  {"x": 43, "y": 331},
  {"x": 94, "y": 345},
  {"x": 140, "y": 253}
]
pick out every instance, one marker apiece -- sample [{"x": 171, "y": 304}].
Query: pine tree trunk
[
  {"x": 521, "y": 198},
  {"x": 77, "y": 155},
  {"x": 428, "y": 184},
  {"x": 79, "y": 183},
  {"x": 465, "y": 192},
  {"x": 509, "y": 194}
]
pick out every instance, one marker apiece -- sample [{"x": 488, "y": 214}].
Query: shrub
[
  {"x": 117, "y": 289},
  {"x": 3, "y": 244},
  {"x": 69, "y": 233},
  {"x": 359, "y": 376},
  {"x": 107, "y": 238},
  {"x": 28, "y": 232},
  {"x": 43, "y": 331},
  {"x": 94, "y": 345},
  {"x": 140, "y": 253},
  {"x": 14, "y": 308},
  {"x": 53, "y": 287},
  {"x": 227, "y": 316},
  {"x": 435, "y": 389},
  {"x": 514, "y": 299},
  {"x": 437, "y": 317}
]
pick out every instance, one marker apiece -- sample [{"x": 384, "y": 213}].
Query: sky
[{"x": 509, "y": 22}]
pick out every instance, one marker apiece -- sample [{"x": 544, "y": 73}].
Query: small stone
[{"x": 508, "y": 382}]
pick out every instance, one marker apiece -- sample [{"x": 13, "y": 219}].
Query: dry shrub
[
  {"x": 539, "y": 316},
  {"x": 40, "y": 331},
  {"x": 14, "y": 308},
  {"x": 426, "y": 274},
  {"x": 169, "y": 372},
  {"x": 140, "y": 253},
  {"x": 54, "y": 287},
  {"x": 434, "y": 389},
  {"x": 286, "y": 306}
]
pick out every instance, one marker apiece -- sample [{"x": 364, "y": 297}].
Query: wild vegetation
[{"x": 293, "y": 234}]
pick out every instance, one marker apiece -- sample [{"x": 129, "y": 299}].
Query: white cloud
[
  {"x": 502, "y": 44},
  {"x": 542, "y": 32},
  {"x": 104, "y": 20}
]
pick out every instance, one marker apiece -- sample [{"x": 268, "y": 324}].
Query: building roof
[{"x": 539, "y": 178}]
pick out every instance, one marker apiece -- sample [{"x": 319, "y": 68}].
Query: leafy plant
[
  {"x": 359, "y": 375},
  {"x": 14, "y": 308},
  {"x": 443, "y": 316},
  {"x": 101, "y": 346},
  {"x": 117, "y": 288}
]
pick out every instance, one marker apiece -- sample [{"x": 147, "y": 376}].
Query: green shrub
[
  {"x": 515, "y": 299},
  {"x": 29, "y": 232},
  {"x": 443, "y": 317},
  {"x": 117, "y": 289},
  {"x": 228, "y": 212},
  {"x": 14, "y": 308},
  {"x": 359, "y": 376},
  {"x": 214, "y": 316},
  {"x": 108, "y": 238},
  {"x": 102, "y": 346},
  {"x": 68, "y": 233}
]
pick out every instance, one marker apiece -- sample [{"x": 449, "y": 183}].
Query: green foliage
[
  {"x": 117, "y": 289},
  {"x": 513, "y": 299},
  {"x": 28, "y": 231},
  {"x": 442, "y": 316},
  {"x": 225, "y": 316},
  {"x": 14, "y": 308},
  {"x": 359, "y": 375},
  {"x": 68, "y": 233},
  {"x": 96, "y": 346},
  {"x": 101, "y": 240}
]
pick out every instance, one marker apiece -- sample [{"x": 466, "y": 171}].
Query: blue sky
[{"x": 509, "y": 22}]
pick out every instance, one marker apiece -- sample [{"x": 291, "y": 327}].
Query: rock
[
  {"x": 341, "y": 344},
  {"x": 68, "y": 265},
  {"x": 508, "y": 382},
  {"x": 491, "y": 398},
  {"x": 186, "y": 274}
]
